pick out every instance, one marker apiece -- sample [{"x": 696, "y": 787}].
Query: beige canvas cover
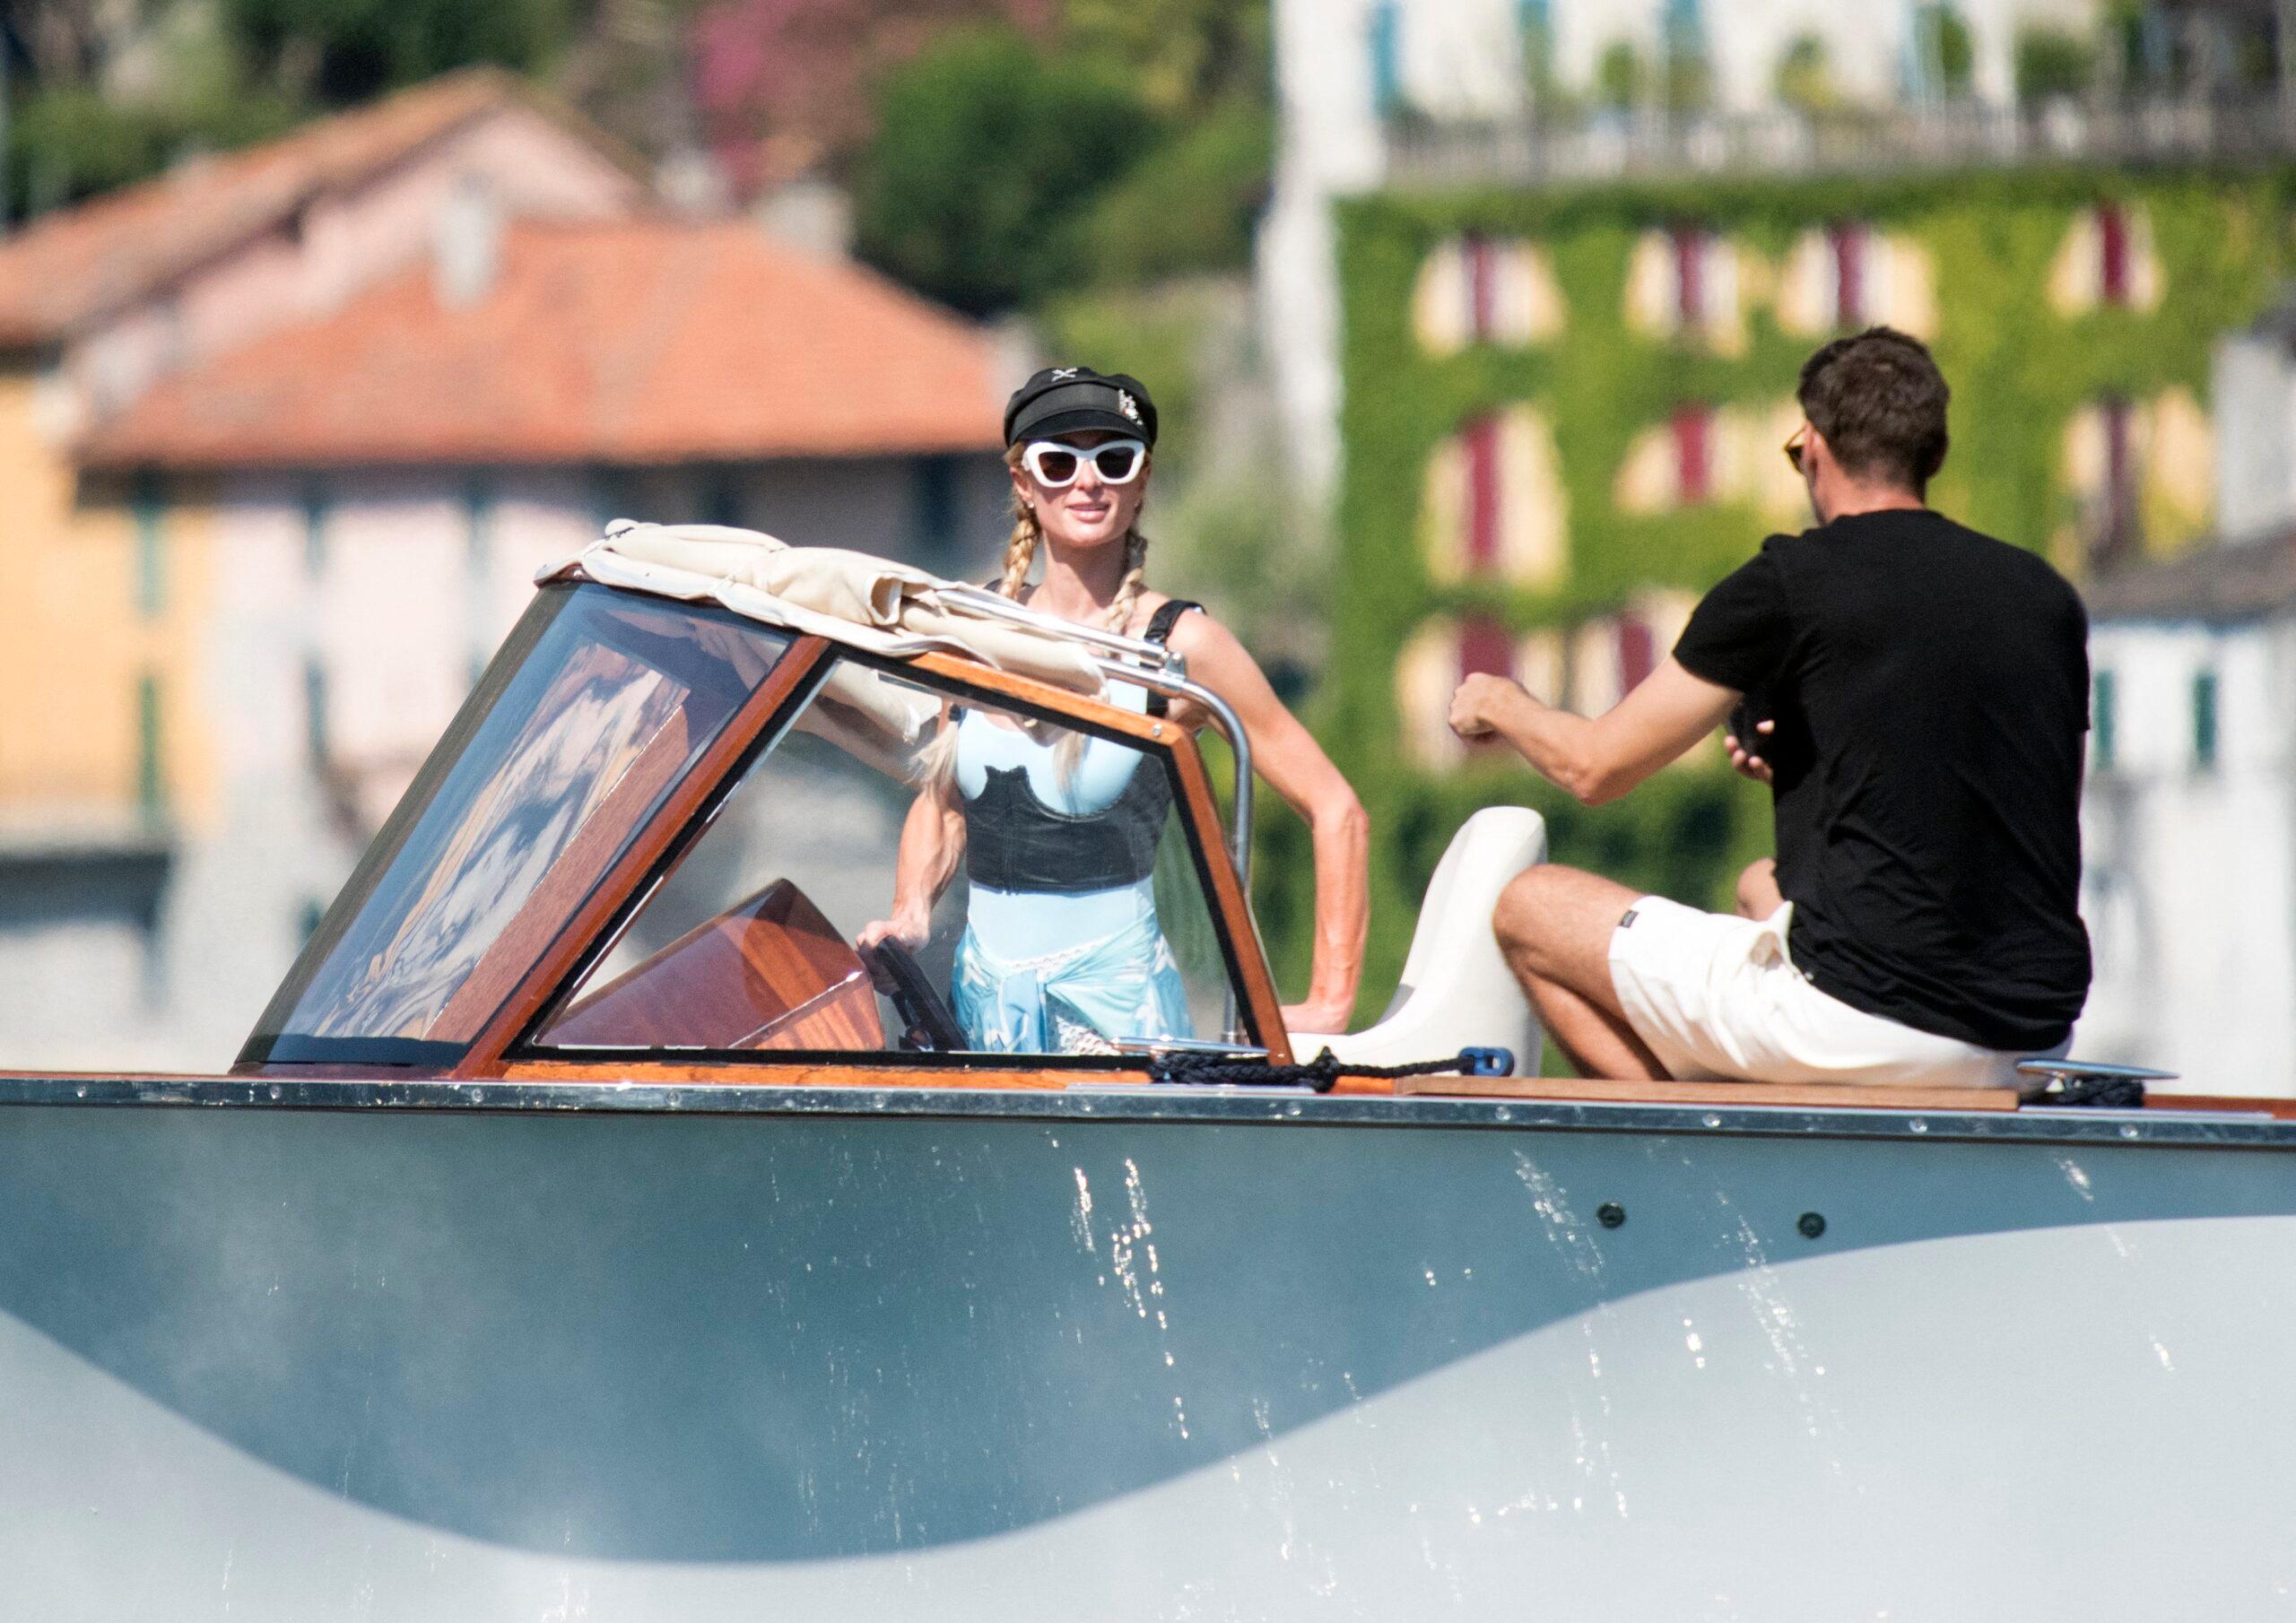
[{"x": 848, "y": 597}]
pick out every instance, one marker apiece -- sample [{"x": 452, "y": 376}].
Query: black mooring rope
[
  {"x": 2093, "y": 1092},
  {"x": 1319, "y": 1073}
]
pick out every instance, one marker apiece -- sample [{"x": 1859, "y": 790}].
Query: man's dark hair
[{"x": 1880, "y": 400}]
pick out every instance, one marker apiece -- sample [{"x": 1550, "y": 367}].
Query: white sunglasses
[{"x": 1055, "y": 467}]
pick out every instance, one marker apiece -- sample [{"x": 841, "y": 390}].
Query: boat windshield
[
  {"x": 1073, "y": 914},
  {"x": 597, "y": 706}
]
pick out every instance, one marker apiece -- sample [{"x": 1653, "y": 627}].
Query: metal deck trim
[{"x": 1145, "y": 1103}]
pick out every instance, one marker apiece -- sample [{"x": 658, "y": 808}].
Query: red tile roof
[
  {"x": 630, "y": 343},
  {"x": 81, "y": 263}
]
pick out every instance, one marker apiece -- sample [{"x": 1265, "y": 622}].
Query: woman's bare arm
[
  {"x": 932, "y": 844},
  {"x": 1287, "y": 755}
]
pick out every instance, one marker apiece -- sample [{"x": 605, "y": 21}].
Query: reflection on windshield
[
  {"x": 759, "y": 939},
  {"x": 598, "y": 705}
]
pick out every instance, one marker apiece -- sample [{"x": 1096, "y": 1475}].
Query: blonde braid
[
  {"x": 1135, "y": 581},
  {"x": 1021, "y": 551},
  {"x": 1069, "y": 752},
  {"x": 936, "y": 762}
]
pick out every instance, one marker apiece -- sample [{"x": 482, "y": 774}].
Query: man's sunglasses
[
  {"x": 1795, "y": 444},
  {"x": 1055, "y": 467}
]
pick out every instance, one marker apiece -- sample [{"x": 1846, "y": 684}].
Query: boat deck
[{"x": 1526, "y": 1103}]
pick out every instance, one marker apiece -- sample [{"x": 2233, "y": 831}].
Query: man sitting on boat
[{"x": 1922, "y": 691}]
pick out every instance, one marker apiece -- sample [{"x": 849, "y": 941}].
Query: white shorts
[{"x": 1717, "y": 999}]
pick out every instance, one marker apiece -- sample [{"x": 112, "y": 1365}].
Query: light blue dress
[{"x": 1067, "y": 970}]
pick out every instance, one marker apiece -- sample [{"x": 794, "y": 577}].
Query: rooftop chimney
[
  {"x": 811, "y": 214},
  {"x": 466, "y": 243}
]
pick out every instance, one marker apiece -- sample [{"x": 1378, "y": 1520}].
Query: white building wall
[
  {"x": 396, "y": 608},
  {"x": 2255, "y": 391},
  {"x": 1461, "y": 61},
  {"x": 2189, "y": 887}
]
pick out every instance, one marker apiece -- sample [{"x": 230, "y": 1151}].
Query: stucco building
[
  {"x": 1377, "y": 95},
  {"x": 273, "y": 551},
  {"x": 2189, "y": 815},
  {"x": 1541, "y": 356}
]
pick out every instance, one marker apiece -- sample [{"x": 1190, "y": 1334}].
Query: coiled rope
[{"x": 1319, "y": 1074}]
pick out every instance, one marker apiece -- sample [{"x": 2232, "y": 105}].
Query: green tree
[
  {"x": 1805, "y": 77},
  {"x": 68, "y": 144},
  {"x": 979, "y": 183},
  {"x": 344, "y": 51},
  {"x": 1190, "y": 204},
  {"x": 2052, "y": 63},
  {"x": 1181, "y": 57},
  {"x": 1619, "y": 77}
]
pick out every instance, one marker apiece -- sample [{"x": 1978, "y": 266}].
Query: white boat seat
[{"x": 1456, "y": 990}]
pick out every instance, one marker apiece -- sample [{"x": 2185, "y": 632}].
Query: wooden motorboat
[{"x": 590, "y": 1228}]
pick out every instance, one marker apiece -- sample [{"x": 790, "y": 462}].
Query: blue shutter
[
  {"x": 151, "y": 540},
  {"x": 2203, "y": 721},
  {"x": 1386, "y": 59},
  {"x": 721, "y": 498},
  {"x": 315, "y": 730},
  {"x": 934, "y": 517},
  {"x": 1535, "y": 31},
  {"x": 315, "y": 509},
  {"x": 150, "y": 784}
]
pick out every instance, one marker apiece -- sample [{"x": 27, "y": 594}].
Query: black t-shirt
[{"x": 1930, "y": 688}]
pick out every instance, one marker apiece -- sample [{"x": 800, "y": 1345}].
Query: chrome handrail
[
  {"x": 1151, "y": 665},
  {"x": 1174, "y": 685},
  {"x": 996, "y": 605}
]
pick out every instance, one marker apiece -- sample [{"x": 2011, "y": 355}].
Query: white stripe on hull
[{"x": 2087, "y": 1424}]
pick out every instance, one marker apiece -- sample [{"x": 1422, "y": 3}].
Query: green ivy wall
[{"x": 2018, "y": 371}]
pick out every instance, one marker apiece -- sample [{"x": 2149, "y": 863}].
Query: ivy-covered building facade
[{"x": 1561, "y": 420}]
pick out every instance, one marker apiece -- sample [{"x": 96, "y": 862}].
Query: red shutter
[
  {"x": 2113, "y": 248},
  {"x": 2120, "y": 483},
  {"x": 1637, "y": 652},
  {"x": 1482, "y": 291},
  {"x": 1484, "y": 648},
  {"x": 1850, "y": 275},
  {"x": 1690, "y": 276},
  {"x": 1692, "y": 461},
  {"x": 1481, "y": 438}
]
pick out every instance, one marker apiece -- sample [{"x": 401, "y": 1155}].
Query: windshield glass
[
  {"x": 595, "y": 708},
  {"x": 1060, "y": 904}
]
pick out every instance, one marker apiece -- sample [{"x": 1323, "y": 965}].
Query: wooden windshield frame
[{"x": 493, "y": 1053}]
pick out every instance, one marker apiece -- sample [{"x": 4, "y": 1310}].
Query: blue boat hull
[{"x": 995, "y": 1357}]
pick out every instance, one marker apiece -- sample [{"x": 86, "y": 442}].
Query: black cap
[{"x": 1071, "y": 400}]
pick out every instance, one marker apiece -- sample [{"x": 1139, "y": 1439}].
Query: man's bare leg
[
  {"x": 1758, "y": 893},
  {"x": 1554, "y": 925}
]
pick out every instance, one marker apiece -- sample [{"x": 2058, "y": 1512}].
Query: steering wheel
[{"x": 931, "y": 1026}]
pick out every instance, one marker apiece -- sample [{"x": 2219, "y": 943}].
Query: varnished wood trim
[
  {"x": 1227, "y": 896},
  {"x": 484, "y": 1058},
  {"x": 769, "y": 1075},
  {"x": 1045, "y": 696},
  {"x": 1802, "y": 1095}
]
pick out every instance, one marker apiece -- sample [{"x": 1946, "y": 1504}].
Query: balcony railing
[{"x": 1620, "y": 146}]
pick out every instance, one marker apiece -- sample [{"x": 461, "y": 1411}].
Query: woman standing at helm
[{"x": 1054, "y": 835}]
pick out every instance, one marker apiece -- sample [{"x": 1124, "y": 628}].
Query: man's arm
[{"x": 1597, "y": 762}]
